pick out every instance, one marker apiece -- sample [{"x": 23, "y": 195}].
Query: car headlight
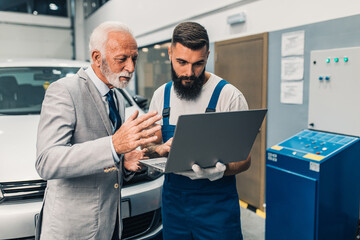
[
  {"x": 152, "y": 174},
  {"x": 2, "y": 197}
]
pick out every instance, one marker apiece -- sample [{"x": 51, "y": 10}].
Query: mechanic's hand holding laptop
[
  {"x": 212, "y": 173},
  {"x": 204, "y": 143},
  {"x": 197, "y": 172}
]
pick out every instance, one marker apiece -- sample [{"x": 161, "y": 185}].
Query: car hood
[{"x": 18, "y": 147}]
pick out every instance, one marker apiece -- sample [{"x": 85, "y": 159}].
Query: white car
[{"x": 22, "y": 87}]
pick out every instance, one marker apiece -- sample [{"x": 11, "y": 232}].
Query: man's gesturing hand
[
  {"x": 136, "y": 131},
  {"x": 131, "y": 160}
]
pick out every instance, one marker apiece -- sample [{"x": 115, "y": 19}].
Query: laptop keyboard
[{"x": 161, "y": 164}]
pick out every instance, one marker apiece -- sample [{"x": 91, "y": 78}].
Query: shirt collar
[{"x": 100, "y": 85}]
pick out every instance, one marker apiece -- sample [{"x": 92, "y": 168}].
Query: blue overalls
[{"x": 198, "y": 209}]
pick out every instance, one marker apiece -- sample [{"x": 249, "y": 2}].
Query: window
[
  {"x": 46, "y": 7},
  {"x": 153, "y": 68},
  {"x": 22, "y": 89},
  {"x": 91, "y": 6}
]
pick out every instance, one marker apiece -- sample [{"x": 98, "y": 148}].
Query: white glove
[{"x": 212, "y": 174}]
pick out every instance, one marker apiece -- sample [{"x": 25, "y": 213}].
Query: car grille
[
  {"x": 133, "y": 227},
  {"x": 142, "y": 224},
  {"x": 23, "y": 190},
  {"x": 35, "y": 189}
]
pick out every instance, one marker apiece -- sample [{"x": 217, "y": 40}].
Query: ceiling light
[{"x": 53, "y": 6}]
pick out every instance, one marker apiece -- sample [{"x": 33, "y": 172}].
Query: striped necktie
[{"x": 113, "y": 112}]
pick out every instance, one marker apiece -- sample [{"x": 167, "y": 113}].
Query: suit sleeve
[{"x": 57, "y": 157}]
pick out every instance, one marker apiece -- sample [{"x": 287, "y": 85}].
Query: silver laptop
[{"x": 207, "y": 138}]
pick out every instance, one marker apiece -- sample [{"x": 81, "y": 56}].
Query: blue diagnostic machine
[
  {"x": 313, "y": 177},
  {"x": 313, "y": 187}
]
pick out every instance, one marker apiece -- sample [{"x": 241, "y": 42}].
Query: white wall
[
  {"x": 153, "y": 21},
  {"x": 29, "y": 36}
]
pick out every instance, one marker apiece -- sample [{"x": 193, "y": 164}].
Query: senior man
[{"x": 84, "y": 147}]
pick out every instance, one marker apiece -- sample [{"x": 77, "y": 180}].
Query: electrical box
[
  {"x": 313, "y": 178},
  {"x": 334, "y": 94},
  {"x": 313, "y": 187}
]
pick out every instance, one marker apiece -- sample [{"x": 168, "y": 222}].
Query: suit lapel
[{"x": 99, "y": 104}]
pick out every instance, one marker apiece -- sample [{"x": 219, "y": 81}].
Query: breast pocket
[{"x": 76, "y": 212}]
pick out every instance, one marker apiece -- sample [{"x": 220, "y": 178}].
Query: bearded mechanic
[{"x": 203, "y": 203}]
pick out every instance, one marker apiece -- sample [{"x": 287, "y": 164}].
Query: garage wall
[
  {"x": 153, "y": 21},
  {"x": 29, "y": 36},
  {"x": 285, "y": 120},
  {"x": 327, "y": 24}
]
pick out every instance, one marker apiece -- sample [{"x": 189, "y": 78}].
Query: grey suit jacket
[{"x": 74, "y": 154}]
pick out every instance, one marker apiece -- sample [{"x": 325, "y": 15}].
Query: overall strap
[
  {"x": 166, "y": 109},
  {"x": 215, "y": 96}
]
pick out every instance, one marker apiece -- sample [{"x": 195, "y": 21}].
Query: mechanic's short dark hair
[{"x": 190, "y": 34}]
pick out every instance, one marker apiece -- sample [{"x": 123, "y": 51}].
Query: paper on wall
[
  {"x": 292, "y": 43},
  {"x": 292, "y": 68},
  {"x": 292, "y": 92}
]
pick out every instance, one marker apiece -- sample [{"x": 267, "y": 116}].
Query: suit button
[{"x": 116, "y": 185}]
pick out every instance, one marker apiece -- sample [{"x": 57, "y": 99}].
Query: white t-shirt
[{"x": 230, "y": 99}]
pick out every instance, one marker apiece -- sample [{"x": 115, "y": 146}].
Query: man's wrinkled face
[
  {"x": 119, "y": 62},
  {"x": 188, "y": 70},
  {"x": 118, "y": 80}
]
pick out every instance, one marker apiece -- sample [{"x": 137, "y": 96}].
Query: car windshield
[{"x": 22, "y": 89}]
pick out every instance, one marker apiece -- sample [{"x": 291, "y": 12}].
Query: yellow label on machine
[
  {"x": 314, "y": 157},
  {"x": 276, "y": 147}
]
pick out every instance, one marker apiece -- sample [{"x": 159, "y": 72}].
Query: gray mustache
[{"x": 125, "y": 74}]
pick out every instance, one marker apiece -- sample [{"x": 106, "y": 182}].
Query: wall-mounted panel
[
  {"x": 334, "y": 90},
  {"x": 285, "y": 120}
]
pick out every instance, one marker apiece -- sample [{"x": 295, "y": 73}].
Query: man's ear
[
  {"x": 96, "y": 57},
  {"x": 169, "y": 52}
]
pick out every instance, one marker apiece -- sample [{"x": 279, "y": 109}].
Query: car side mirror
[{"x": 141, "y": 101}]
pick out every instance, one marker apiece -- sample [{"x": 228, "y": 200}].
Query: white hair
[{"x": 100, "y": 34}]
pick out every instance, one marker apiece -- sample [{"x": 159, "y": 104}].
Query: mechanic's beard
[
  {"x": 114, "y": 78},
  {"x": 189, "y": 92}
]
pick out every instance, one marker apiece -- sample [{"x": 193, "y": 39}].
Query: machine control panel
[
  {"x": 313, "y": 145},
  {"x": 334, "y": 91}
]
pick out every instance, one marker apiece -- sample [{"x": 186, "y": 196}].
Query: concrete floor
[{"x": 252, "y": 225}]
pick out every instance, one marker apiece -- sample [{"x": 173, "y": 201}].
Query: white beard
[{"x": 114, "y": 78}]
